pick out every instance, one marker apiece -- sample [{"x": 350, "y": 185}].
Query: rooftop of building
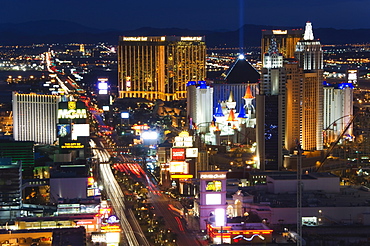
[
  {"x": 293, "y": 176},
  {"x": 65, "y": 217},
  {"x": 241, "y": 72},
  {"x": 349, "y": 196}
]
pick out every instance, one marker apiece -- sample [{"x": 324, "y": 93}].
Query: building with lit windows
[
  {"x": 215, "y": 216},
  {"x": 22, "y": 151},
  {"x": 286, "y": 41},
  {"x": 310, "y": 56},
  {"x": 35, "y": 117},
  {"x": 270, "y": 111},
  {"x": 159, "y": 67},
  {"x": 293, "y": 95},
  {"x": 199, "y": 104}
]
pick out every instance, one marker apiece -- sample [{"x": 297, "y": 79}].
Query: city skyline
[{"x": 215, "y": 15}]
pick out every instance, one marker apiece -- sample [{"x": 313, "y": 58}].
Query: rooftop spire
[
  {"x": 242, "y": 113},
  {"x": 248, "y": 93},
  {"x": 308, "y": 34},
  {"x": 231, "y": 97},
  {"x": 219, "y": 112},
  {"x": 231, "y": 116}
]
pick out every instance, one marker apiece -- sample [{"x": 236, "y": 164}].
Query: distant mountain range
[{"x": 54, "y": 31}]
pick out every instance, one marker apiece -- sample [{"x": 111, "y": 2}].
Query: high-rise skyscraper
[
  {"x": 199, "y": 104},
  {"x": 293, "y": 121},
  {"x": 310, "y": 56},
  {"x": 270, "y": 111},
  {"x": 159, "y": 67},
  {"x": 286, "y": 41},
  {"x": 35, "y": 117}
]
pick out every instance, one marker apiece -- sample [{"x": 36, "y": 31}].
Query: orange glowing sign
[
  {"x": 181, "y": 176},
  {"x": 90, "y": 181},
  {"x": 140, "y": 127},
  {"x": 111, "y": 228},
  {"x": 104, "y": 211}
]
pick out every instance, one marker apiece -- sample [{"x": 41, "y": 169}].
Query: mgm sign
[{"x": 73, "y": 111}]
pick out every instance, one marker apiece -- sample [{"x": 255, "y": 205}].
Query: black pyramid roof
[{"x": 241, "y": 72}]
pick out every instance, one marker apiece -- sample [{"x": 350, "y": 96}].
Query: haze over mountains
[{"x": 55, "y": 31}]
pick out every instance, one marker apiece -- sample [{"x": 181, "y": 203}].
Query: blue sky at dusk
[{"x": 191, "y": 14}]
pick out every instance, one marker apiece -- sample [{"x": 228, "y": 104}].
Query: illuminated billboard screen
[
  {"x": 220, "y": 216},
  {"x": 178, "y": 154},
  {"x": 80, "y": 130},
  {"x": 64, "y": 130},
  {"x": 125, "y": 115},
  {"x": 103, "y": 86},
  {"x": 72, "y": 145},
  {"x": 213, "y": 199},
  {"x": 179, "y": 167},
  {"x": 191, "y": 152},
  {"x": 215, "y": 185},
  {"x": 149, "y": 135}
]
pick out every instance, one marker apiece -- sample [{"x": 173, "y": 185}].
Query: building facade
[
  {"x": 35, "y": 117},
  {"x": 22, "y": 151},
  {"x": 310, "y": 56},
  {"x": 159, "y": 67},
  {"x": 293, "y": 121},
  {"x": 270, "y": 112},
  {"x": 338, "y": 111},
  {"x": 286, "y": 41},
  {"x": 199, "y": 104}
]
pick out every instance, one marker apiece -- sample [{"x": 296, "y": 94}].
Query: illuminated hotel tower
[
  {"x": 310, "y": 57},
  {"x": 286, "y": 41},
  {"x": 159, "y": 67},
  {"x": 270, "y": 111},
  {"x": 35, "y": 117},
  {"x": 294, "y": 85},
  {"x": 199, "y": 104}
]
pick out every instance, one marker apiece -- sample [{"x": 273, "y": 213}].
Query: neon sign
[
  {"x": 191, "y": 38},
  {"x": 135, "y": 38},
  {"x": 213, "y": 176},
  {"x": 72, "y": 146},
  {"x": 279, "y": 31},
  {"x": 72, "y": 114},
  {"x": 250, "y": 238}
]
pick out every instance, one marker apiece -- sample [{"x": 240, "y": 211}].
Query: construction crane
[{"x": 332, "y": 146}]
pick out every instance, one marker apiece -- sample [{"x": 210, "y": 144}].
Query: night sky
[{"x": 191, "y": 14}]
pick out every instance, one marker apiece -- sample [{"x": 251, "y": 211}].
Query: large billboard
[
  {"x": 72, "y": 111},
  {"x": 191, "y": 152},
  {"x": 80, "y": 130},
  {"x": 178, "y": 154},
  {"x": 179, "y": 167},
  {"x": 63, "y": 130}
]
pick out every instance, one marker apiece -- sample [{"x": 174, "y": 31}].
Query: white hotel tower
[
  {"x": 338, "y": 110},
  {"x": 35, "y": 117},
  {"x": 200, "y": 104}
]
